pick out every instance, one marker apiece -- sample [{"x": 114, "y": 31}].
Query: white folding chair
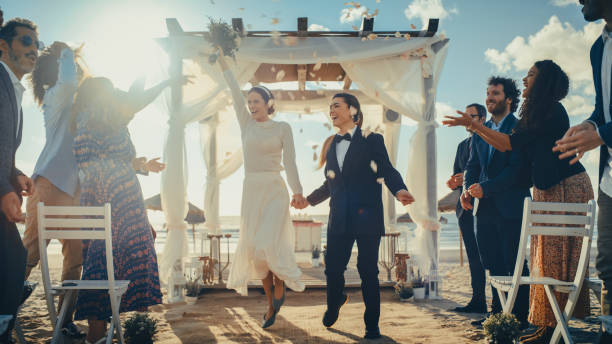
[
  {"x": 79, "y": 223},
  {"x": 537, "y": 223}
]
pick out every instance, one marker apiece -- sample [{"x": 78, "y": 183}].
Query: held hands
[
  {"x": 455, "y": 181},
  {"x": 299, "y": 202},
  {"x": 578, "y": 140},
  {"x": 11, "y": 207},
  {"x": 404, "y": 197}
]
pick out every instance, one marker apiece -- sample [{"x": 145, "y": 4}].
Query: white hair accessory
[{"x": 353, "y": 110}]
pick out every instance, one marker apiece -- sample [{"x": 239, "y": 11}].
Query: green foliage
[
  {"x": 502, "y": 328},
  {"x": 139, "y": 329},
  {"x": 222, "y": 35}
]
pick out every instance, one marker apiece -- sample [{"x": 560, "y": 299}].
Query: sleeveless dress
[
  {"x": 266, "y": 240},
  {"x": 104, "y": 152}
]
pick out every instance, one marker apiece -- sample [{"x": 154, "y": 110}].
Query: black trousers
[
  {"x": 337, "y": 256},
  {"x": 498, "y": 241},
  {"x": 477, "y": 272},
  {"x": 12, "y": 268},
  {"x": 604, "y": 239}
]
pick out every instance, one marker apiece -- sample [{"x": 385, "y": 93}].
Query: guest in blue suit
[
  {"x": 355, "y": 162},
  {"x": 478, "y": 302},
  {"x": 501, "y": 181}
]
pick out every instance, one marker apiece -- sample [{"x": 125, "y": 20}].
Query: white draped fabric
[{"x": 400, "y": 74}]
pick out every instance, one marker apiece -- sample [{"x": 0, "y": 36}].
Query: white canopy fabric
[{"x": 397, "y": 73}]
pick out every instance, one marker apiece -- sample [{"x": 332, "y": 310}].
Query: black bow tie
[{"x": 339, "y": 138}]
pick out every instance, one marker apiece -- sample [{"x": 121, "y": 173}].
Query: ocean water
[{"x": 449, "y": 234}]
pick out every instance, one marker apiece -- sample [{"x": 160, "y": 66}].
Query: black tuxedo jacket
[
  {"x": 356, "y": 195},
  {"x": 10, "y": 135}
]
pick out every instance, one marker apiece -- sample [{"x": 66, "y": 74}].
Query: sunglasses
[{"x": 27, "y": 41}]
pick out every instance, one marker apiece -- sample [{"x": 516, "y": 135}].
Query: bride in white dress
[{"x": 265, "y": 248}]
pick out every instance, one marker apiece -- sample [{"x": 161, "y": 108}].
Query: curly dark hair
[
  {"x": 510, "y": 90},
  {"x": 9, "y": 30},
  {"x": 550, "y": 86}
]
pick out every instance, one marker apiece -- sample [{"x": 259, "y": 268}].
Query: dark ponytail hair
[
  {"x": 351, "y": 100},
  {"x": 266, "y": 94}
]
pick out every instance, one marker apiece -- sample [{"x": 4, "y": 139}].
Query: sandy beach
[{"x": 221, "y": 316}]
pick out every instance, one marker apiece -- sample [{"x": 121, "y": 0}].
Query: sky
[{"x": 487, "y": 37}]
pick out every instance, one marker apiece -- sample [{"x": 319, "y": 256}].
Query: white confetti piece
[
  {"x": 407, "y": 36},
  {"x": 275, "y": 21},
  {"x": 317, "y": 66},
  {"x": 280, "y": 75},
  {"x": 373, "y": 166},
  {"x": 398, "y": 34},
  {"x": 331, "y": 174},
  {"x": 380, "y": 180},
  {"x": 372, "y": 36}
]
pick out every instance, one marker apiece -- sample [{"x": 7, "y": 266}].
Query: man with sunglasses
[
  {"x": 466, "y": 221},
  {"x": 18, "y": 54}
]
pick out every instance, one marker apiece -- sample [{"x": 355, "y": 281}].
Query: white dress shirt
[
  {"x": 342, "y": 147},
  {"x": 606, "y": 70},
  {"x": 19, "y": 89}
]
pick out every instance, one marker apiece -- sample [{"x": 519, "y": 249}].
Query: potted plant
[
  {"x": 139, "y": 329},
  {"x": 404, "y": 291},
  {"x": 502, "y": 328},
  {"x": 192, "y": 289},
  {"x": 316, "y": 254},
  {"x": 418, "y": 284}
]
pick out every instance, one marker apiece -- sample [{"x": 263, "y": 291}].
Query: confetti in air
[
  {"x": 331, "y": 174},
  {"x": 412, "y": 26},
  {"x": 380, "y": 180},
  {"x": 280, "y": 75},
  {"x": 317, "y": 66},
  {"x": 398, "y": 34}
]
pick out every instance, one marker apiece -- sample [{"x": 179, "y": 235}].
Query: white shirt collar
[
  {"x": 605, "y": 35},
  {"x": 352, "y": 132},
  {"x": 12, "y": 76}
]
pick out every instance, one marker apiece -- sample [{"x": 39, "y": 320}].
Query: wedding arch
[{"x": 394, "y": 72}]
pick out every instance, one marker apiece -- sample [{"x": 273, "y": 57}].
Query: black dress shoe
[
  {"x": 331, "y": 315},
  {"x": 372, "y": 334},
  {"x": 27, "y": 291},
  {"x": 472, "y": 307},
  {"x": 71, "y": 330}
]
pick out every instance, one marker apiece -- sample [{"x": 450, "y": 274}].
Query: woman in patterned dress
[
  {"x": 104, "y": 154},
  {"x": 544, "y": 121}
]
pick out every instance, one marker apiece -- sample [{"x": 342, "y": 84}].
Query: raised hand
[
  {"x": 464, "y": 120},
  {"x": 404, "y": 197}
]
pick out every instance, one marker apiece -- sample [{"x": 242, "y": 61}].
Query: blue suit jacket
[
  {"x": 605, "y": 129},
  {"x": 504, "y": 177},
  {"x": 10, "y": 135},
  {"x": 356, "y": 196}
]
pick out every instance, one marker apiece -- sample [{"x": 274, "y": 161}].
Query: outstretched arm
[
  {"x": 319, "y": 195},
  {"x": 240, "y": 105},
  {"x": 499, "y": 141}
]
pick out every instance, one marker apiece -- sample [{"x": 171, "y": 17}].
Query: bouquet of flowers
[
  {"x": 222, "y": 36},
  {"x": 140, "y": 329}
]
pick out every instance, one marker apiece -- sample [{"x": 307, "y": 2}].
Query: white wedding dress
[{"x": 266, "y": 233}]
